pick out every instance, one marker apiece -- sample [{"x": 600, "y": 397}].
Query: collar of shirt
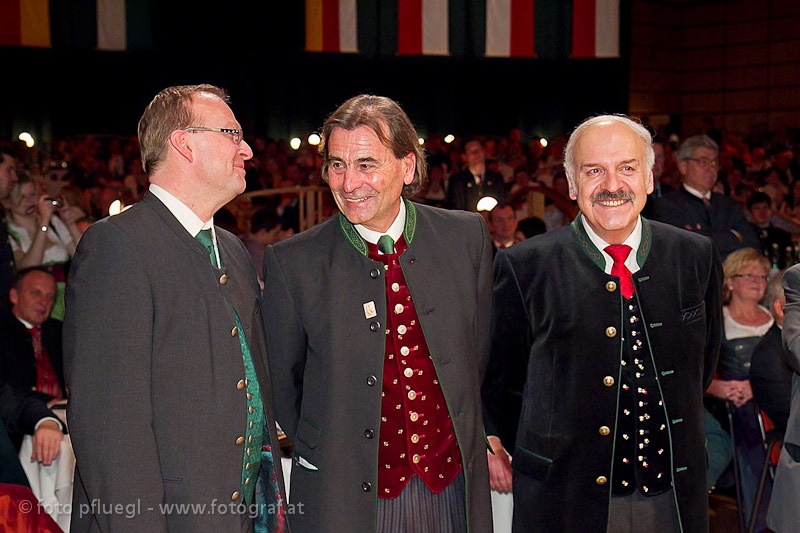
[
  {"x": 633, "y": 240},
  {"x": 394, "y": 231},
  {"x": 505, "y": 244},
  {"x": 25, "y": 323},
  {"x": 695, "y": 192},
  {"x": 477, "y": 177},
  {"x": 188, "y": 219}
]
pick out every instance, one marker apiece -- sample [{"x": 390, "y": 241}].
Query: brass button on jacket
[
  {"x": 611, "y": 332},
  {"x": 608, "y": 381},
  {"x": 235, "y": 495},
  {"x": 223, "y": 279},
  {"x": 601, "y": 480},
  {"x": 240, "y": 441},
  {"x": 611, "y": 286},
  {"x": 234, "y": 331},
  {"x": 604, "y": 430},
  {"x": 240, "y": 384}
]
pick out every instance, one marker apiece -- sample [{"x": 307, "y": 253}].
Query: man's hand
[
  {"x": 724, "y": 390},
  {"x": 499, "y": 466},
  {"x": 46, "y": 442}
]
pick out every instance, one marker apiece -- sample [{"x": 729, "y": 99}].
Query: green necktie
[
  {"x": 206, "y": 239},
  {"x": 386, "y": 244}
]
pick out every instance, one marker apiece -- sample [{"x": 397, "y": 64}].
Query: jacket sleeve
[
  {"x": 713, "y": 303},
  {"x": 108, "y": 359},
  {"x": 286, "y": 344},
  {"x": 508, "y": 356},
  {"x": 791, "y": 317},
  {"x": 484, "y": 297}
]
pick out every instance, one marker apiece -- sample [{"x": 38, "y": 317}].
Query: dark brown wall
[{"x": 736, "y": 61}]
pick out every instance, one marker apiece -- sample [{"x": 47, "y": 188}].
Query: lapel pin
[{"x": 369, "y": 310}]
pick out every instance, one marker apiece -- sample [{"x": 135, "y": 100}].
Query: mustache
[{"x": 619, "y": 194}]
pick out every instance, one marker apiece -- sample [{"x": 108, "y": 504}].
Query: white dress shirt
[
  {"x": 633, "y": 240},
  {"x": 394, "y": 231}
]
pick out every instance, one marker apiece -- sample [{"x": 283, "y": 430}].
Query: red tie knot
[{"x": 618, "y": 252}]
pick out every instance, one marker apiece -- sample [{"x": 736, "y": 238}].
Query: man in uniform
[
  {"x": 377, "y": 324},
  {"x": 611, "y": 426},
  {"x": 170, "y": 399}
]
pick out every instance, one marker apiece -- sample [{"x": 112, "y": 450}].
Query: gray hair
[
  {"x": 774, "y": 290},
  {"x": 636, "y": 127},
  {"x": 691, "y": 144}
]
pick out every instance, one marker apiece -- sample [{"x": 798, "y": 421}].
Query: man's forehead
[
  {"x": 210, "y": 106},
  {"x": 38, "y": 278},
  {"x": 360, "y": 141}
]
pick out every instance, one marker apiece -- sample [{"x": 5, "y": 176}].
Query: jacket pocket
[
  {"x": 531, "y": 464},
  {"x": 693, "y": 314},
  {"x": 308, "y": 433}
]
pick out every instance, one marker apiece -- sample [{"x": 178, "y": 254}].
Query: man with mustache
[
  {"x": 605, "y": 334},
  {"x": 377, "y": 325}
]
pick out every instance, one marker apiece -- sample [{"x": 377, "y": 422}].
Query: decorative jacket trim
[
  {"x": 586, "y": 244},
  {"x": 357, "y": 242}
]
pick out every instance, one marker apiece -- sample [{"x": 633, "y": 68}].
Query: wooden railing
[{"x": 309, "y": 206}]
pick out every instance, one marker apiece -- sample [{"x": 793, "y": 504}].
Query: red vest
[{"x": 416, "y": 433}]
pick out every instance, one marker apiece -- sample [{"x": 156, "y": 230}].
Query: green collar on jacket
[
  {"x": 357, "y": 242},
  {"x": 594, "y": 254}
]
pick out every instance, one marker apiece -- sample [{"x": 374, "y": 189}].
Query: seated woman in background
[
  {"x": 39, "y": 237},
  {"x": 746, "y": 274}
]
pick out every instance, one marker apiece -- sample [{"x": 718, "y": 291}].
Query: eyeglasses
[
  {"x": 752, "y": 277},
  {"x": 704, "y": 161},
  {"x": 235, "y": 134}
]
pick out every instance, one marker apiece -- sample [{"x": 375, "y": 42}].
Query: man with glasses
[
  {"x": 696, "y": 208},
  {"x": 170, "y": 399}
]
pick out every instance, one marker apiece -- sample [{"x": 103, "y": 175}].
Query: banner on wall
[{"x": 88, "y": 24}]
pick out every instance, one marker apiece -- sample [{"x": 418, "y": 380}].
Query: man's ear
[
  {"x": 179, "y": 140},
  {"x": 777, "y": 308},
  {"x": 409, "y": 166},
  {"x": 13, "y": 296}
]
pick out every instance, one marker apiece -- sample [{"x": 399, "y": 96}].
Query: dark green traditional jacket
[
  {"x": 327, "y": 350},
  {"x": 556, "y": 315}
]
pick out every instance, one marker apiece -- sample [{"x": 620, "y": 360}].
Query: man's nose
[
  {"x": 245, "y": 150},
  {"x": 352, "y": 180}
]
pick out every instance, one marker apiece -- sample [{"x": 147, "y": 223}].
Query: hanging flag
[
  {"x": 331, "y": 26},
  {"x": 100, "y": 24},
  {"x": 25, "y": 23},
  {"x": 510, "y": 28},
  {"x": 423, "y": 27},
  {"x": 595, "y": 28}
]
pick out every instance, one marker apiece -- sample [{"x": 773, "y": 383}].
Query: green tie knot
[
  {"x": 205, "y": 238},
  {"x": 386, "y": 244}
]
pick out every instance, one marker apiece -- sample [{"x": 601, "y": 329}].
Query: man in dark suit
[
  {"x": 170, "y": 398},
  {"x": 377, "y": 324},
  {"x": 611, "y": 407},
  {"x": 466, "y": 188},
  {"x": 784, "y": 513},
  {"x": 776, "y": 243},
  {"x": 30, "y": 342},
  {"x": 696, "y": 208},
  {"x": 770, "y": 370},
  {"x": 8, "y": 177}
]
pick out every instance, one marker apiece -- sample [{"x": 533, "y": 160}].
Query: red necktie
[
  {"x": 46, "y": 379},
  {"x": 619, "y": 253}
]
